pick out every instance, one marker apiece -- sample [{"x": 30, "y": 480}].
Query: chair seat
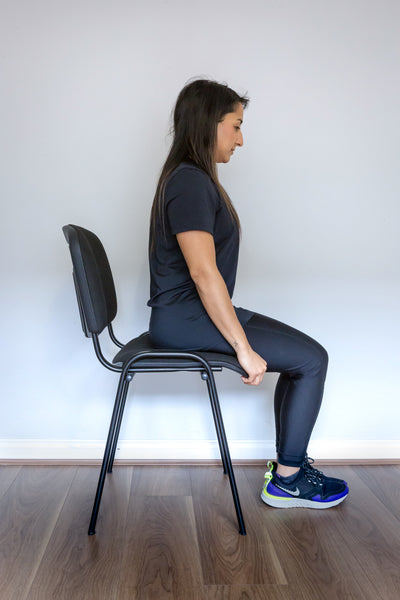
[{"x": 142, "y": 344}]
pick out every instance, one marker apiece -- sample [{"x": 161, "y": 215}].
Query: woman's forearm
[
  {"x": 199, "y": 252},
  {"x": 215, "y": 298}
]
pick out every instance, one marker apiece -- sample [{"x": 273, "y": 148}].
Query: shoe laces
[{"x": 312, "y": 474}]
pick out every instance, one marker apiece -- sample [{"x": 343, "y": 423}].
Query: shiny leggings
[
  {"x": 302, "y": 363},
  {"x": 300, "y": 360}
]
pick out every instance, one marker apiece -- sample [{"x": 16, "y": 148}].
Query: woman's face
[{"x": 229, "y": 135}]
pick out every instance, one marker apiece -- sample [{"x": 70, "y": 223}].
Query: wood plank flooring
[{"x": 171, "y": 533}]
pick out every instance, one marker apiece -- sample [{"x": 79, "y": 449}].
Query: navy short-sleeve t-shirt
[{"x": 191, "y": 203}]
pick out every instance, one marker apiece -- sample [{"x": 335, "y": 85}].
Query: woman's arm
[{"x": 199, "y": 252}]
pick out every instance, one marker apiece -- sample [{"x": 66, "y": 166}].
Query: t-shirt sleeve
[{"x": 191, "y": 202}]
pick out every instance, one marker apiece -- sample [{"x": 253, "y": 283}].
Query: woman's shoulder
[
  {"x": 189, "y": 184},
  {"x": 189, "y": 173}
]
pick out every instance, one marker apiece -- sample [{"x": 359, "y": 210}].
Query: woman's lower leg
[{"x": 302, "y": 363}]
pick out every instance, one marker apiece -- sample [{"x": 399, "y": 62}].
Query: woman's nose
[{"x": 239, "y": 139}]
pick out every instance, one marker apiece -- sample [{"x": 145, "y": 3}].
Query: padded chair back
[{"x": 93, "y": 279}]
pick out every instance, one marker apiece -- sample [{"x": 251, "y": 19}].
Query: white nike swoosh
[{"x": 295, "y": 492}]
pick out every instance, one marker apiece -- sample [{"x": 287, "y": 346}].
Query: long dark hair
[{"x": 200, "y": 106}]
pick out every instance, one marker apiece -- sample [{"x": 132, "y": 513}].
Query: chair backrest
[{"x": 93, "y": 279}]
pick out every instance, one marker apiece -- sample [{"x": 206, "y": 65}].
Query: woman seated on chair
[{"x": 193, "y": 252}]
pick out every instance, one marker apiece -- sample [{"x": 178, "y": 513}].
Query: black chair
[{"x": 97, "y": 303}]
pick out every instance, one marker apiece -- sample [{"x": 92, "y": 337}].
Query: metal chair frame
[{"x": 155, "y": 360}]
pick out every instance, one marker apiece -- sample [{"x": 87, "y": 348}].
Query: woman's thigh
[
  {"x": 169, "y": 330},
  {"x": 284, "y": 348}
]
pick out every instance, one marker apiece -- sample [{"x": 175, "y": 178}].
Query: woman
[{"x": 194, "y": 243}]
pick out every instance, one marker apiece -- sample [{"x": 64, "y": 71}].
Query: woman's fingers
[
  {"x": 253, "y": 380},
  {"x": 254, "y": 365}
]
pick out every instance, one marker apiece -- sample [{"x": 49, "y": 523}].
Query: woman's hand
[{"x": 254, "y": 365}]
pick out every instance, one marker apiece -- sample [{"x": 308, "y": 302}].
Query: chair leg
[
  {"x": 119, "y": 421},
  {"x": 107, "y": 453},
  {"x": 212, "y": 389},
  {"x": 205, "y": 377}
]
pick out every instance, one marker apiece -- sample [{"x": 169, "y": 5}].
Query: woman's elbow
[{"x": 203, "y": 276}]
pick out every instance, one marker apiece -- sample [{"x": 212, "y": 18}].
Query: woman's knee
[{"x": 320, "y": 358}]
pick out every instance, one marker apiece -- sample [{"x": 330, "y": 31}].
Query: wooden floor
[{"x": 171, "y": 532}]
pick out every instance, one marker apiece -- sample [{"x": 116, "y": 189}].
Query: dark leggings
[
  {"x": 300, "y": 360},
  {"x": 302, "y": 363}
]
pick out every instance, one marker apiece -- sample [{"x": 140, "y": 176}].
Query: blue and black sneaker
[{"x": 309, "y": 488}]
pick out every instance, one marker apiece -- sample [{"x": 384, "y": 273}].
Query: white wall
[{"x": 87, "y": 88}]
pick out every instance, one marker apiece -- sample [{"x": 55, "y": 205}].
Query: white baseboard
[{"x": 20, "y": 449}]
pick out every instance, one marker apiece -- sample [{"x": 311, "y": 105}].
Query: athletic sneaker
[
  {"x": 308, "y": 489},
  {"x": 308, "y": 466}
]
